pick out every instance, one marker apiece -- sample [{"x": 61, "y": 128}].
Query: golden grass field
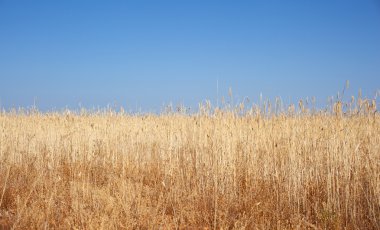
[{"x": 223, "y": 169}]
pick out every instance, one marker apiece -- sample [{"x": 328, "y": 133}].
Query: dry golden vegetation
[{"x": 226, "y": 169}]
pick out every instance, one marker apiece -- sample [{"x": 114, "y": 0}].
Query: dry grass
[{"x": 220, "y": 171}]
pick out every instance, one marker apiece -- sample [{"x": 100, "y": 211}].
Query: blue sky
[{"x": 142, "y": 54}]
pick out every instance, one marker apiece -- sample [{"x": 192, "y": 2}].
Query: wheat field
[{"x": 234, "y": 168}]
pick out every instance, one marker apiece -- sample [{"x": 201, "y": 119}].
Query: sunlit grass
[{"x": 256, "y": 167}]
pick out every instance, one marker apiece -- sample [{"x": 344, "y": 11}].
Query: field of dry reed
[{"x": 217, "y": 169}]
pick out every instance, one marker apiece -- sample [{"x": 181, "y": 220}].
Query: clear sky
[{"x": 147, "y": 53}]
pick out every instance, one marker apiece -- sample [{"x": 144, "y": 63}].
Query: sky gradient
[{"x": 143, "y": 54}]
